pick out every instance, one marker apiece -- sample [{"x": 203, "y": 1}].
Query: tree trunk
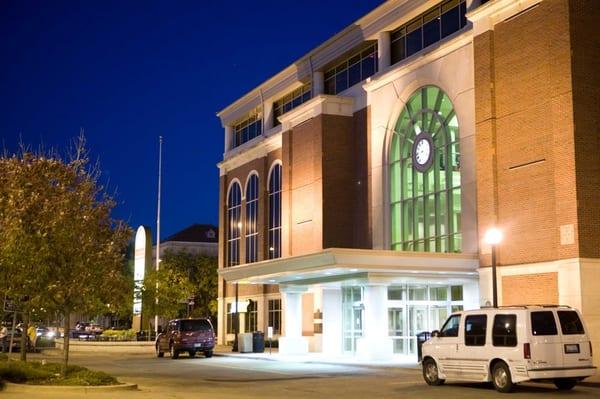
[
  {"x": 24, "y": 336},
  {"x": 66, "y": 327}
]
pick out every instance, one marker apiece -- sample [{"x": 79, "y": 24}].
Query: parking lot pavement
[{"x": 239, "y": 377}]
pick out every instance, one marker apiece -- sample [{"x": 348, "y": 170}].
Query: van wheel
[
  {"x": 564, "y": 384},
  {"x": 208, "y": 353},
  {"x": 158, "y": 352},
  {"x": 192, "y": 353},
  {"x": 174, "y": 353},
  {"x": 430, "y": 373},
  {"x": 501, "y": 378}
]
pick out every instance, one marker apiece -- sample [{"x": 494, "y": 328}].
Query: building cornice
[
  {"x": 259, "y": 147},
  {"x": 485, "y": 17},
  {"x": 321, "y": 104}
]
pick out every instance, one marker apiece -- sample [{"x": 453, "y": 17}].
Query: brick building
[{"x": 357, "y": 183}]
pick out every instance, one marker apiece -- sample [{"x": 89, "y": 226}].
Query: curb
[{"x": 26, "y": 388}]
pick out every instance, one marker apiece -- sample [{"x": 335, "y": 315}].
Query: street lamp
[{"x": 493, "y": 237}]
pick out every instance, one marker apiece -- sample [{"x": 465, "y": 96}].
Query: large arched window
[
  {"x": 234, "y": 224},
  {"x": 252, "y": 219},
  {"x": 425, "y": 175},
  {"x": 275, "y": 212}
]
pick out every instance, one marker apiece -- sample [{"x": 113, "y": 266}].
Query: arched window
[
  {"x": 425, "y": 175},
  {"x": 275, "y": 212},
  {"x": 252, "y": 219},
  {"x": 234, "y": 224}
]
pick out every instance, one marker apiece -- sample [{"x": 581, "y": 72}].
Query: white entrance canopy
[{"x": 338, "y": 264}]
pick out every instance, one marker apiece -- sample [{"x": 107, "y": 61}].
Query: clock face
[{"x": 422, "y": 152}]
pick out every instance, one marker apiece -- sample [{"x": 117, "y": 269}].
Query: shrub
[
  {"x": 118, "y": 335},
  {"x": 36, "y": 373}
]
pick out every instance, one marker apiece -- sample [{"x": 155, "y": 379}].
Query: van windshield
[
  {"x": 570, "y": 323},
  {"x": 195, "y": 325}
]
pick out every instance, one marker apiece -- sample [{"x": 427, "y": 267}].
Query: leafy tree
[
  {"x": 59, "y": 247},
  {"x": 182, "y": 277}
]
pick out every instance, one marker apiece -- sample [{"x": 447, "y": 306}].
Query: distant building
[{"x": 201, "y": 239}]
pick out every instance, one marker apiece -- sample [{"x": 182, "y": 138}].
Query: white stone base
[
  {"x": 374, "y": 348},
  {"x": 293, "y": 345}
]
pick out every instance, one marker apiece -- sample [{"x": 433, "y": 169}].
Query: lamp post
[
  {"x": 493, "y": 237},
  {"x": 236, "y": 321}
]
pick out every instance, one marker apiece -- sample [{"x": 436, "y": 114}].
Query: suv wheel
[
  {"x": 158, "y": 351},
  {"x": 208, "y": 353},
  {"x": 430, "y": 373},
  {"x": 192, "y": 353},
  {"x": 501, "y": 378},
  {"x": 174, "y": 353},
  {"x": 564, "y": 384}
]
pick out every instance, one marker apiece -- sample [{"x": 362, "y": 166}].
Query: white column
[
  {"x": 384, "y": 50},
  {"x": 228, "y": 138},
  {"x": 292, "y": 343},
  {"x": 267, "y": 116},
  {"x": 375, "y": 343},
  {"x": 332, "y": 321},
  {"x": 318, "y": 83}
]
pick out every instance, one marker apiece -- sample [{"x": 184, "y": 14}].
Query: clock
[{"x": 422, "y": 152}]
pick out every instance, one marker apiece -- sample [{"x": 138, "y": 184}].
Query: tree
[
  {"x": 182, "y": 278},
  {"x": 59, "y": 246}
]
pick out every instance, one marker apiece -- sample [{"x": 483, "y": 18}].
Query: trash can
[
  {"x": 422, "y": 337},
  {"x": 258, "y": 342},
  {"x": 245, "y": 342}
]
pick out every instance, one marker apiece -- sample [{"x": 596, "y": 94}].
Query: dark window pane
[
  {"x": 306, "y": 96},
  {"x": 369, "y": 66},
  {"x": 414, "y": 42},
  {"x": 341, "y": 81},
  {"x": 354, "y": 74},
  {"x": 450, "y": 22},
  {"x": 431, "y": 32},
  {"x": 570, "y": 323},
  {"x": 330, "y": 86},
  {"x": 463, "y": 14},
  {"x": 542, "y": 323},
  {"x": 398, "y": 50},
  {"x": 504, "y": 332},
  {"x": 475, "y": 328}
]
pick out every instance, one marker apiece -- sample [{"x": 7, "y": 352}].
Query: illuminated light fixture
[
  {"x": 271, "y": 281},
  {"x": 493, "y": 237},
  {"x": 239, "y": 225},
  {"x": 328, "y": 273},
  {"x": 271, "y": 249},
  {"x": 353, "y": 270}
]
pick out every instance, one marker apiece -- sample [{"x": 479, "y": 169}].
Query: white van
[{"x": 508, "y": 345}]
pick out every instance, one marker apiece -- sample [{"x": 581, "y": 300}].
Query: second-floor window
[
  {"x": 290, "y": 101},
  {"x": 252, "y": 219},
  {"x": 275, "y": 212},
  {"x": 351, "y": 70},
  {"x": 234, "y": 224},
  {"x": 246, "y": 130}
]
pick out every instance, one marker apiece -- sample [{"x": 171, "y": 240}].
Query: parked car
[
  {"x": 186, "y": 335},
  {"x": 508, "y": 345},
  {"x": 5, "y": 341},
  {"x": 94, "y": 328}
]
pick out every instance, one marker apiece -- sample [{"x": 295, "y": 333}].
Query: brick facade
[{"x": 530, "y": 288}]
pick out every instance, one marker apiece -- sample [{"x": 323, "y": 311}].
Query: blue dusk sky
[{"x": 127, "y": 72}]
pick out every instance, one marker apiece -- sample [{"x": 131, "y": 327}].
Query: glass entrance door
[
  {"x": 352, "y": 317},
  {"x": 417, "y": 322}
]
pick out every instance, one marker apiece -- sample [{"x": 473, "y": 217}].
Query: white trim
[
  {"x": 492, "y": 13},
  {"x": 320, "y": 104},
  {"x": 273, "y": 164},
  {"x": 252, "y": 172},
  {"x": 260, "y": 147},
  {"x": 234, "y": 180}
]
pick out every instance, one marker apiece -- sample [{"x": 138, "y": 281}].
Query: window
[
  {"x": 475, "y": 328},
  {"x": 542, "y": 323},
  {"x": 275, "y": 315},
  {"x": 247, "y": 129},
  {"x": 504, "y": 331},
  {"x": 450, "y": 328},
  {"x": 230, "y": 319},
  {"x": 234, "y": 224},
  {"x": 291, "y": 101},
  {"x": 456, "y": 292},
  {"x": 438, "y": 293},
  {"x": 570, "y": 323},
  {"x": 275, "y": 212},
  {"x": 426, "y": 205},
  {"x": 417, "y": 293},
  {"x": 350, "y": 71},
  {"x": 252, "y": 219},
  {"x": 195, "y": 325},
  {"x": 250, "y": 323},
  {"x": 428, "y": 28},
  {"x": 396, "y": 292}
]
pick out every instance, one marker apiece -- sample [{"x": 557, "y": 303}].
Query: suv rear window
[
  {"x": 570, "y": 323},
  {"x": 542, "y": 323},
  {"x": 195, "y": 325},
  {"x": 504, "y": 332}
]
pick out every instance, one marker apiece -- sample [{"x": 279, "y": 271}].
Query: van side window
[
  {"x": 504, "y": 332},
  {"x": 542, "y": 323},
  {"x": 450, "y": 328},
  {"x": 475, "y": 328},
  {"x": 570, "y": 323}
]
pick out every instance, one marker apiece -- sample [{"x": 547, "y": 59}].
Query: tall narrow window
[
  {"x": 275, "y": 212},
  {"x": 275, "y": 315},
  {"x": 252, "y": 219},
  {"x": 425, "y": 192},
  {"x": 234, "y": 224}
]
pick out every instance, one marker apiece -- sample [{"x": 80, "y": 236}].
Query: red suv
[{"x": 186, "y": 335}]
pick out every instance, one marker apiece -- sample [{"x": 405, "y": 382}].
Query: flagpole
[{"x": 160, "y": 142}]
